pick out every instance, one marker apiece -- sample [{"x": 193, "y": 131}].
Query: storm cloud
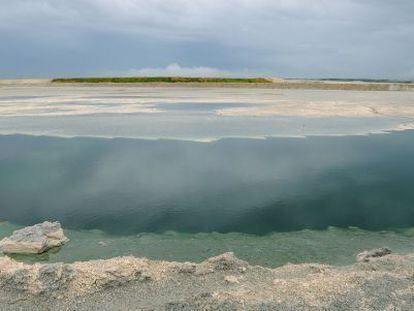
[{"x": 296, "y": 38}]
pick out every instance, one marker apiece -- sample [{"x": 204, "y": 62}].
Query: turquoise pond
[{"x": 271, "y": 201}]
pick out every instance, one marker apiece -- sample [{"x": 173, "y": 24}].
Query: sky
[{"x": 285, "y": 38}]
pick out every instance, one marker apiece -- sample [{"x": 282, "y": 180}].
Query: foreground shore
[{"x": 219, "y": 283}]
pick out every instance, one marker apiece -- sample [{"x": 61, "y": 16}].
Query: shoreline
[
  {"x": 293, "y": 84},
  {"x": 209, "y": 140},
  {"x": 223, "y": 282},
  {"x": 202, "y": 114}
]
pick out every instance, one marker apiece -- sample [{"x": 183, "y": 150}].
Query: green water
[
  {"x": 333, "y": 246},
  {"x": 319, "y": 199}
]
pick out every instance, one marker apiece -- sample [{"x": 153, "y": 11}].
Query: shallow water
[
  {"x": 198, "y": 107},
  {"x": 270, "y": 201},
  {"x": 336, "y": 246}
]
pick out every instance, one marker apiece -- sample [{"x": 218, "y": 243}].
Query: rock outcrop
[
  {"x": 34, "y": 239},
  {"x": 374, "y": 253}
]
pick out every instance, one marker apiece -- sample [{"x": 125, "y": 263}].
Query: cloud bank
[
  {"x": 175, "y": 70},
  {"x": 294, "y": 38}
]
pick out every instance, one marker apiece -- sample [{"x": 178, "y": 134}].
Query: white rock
[{"x": 34, "y": 239}]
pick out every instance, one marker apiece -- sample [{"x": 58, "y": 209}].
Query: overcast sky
[{"x": 288, "y": 38}]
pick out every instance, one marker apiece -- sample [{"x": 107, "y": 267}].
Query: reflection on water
[{"x": 123, "y": 186}]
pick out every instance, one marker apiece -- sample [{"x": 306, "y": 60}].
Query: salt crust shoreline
[{"x": 218, "y": 283}]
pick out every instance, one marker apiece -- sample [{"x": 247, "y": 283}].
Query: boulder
[
  {"x": 34, "y": 239},
  {"x": 374, "y": 253}
]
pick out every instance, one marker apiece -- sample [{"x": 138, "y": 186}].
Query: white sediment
[
  {"x": 134, "y": 112},
  {"x": 220, "y": 283}
]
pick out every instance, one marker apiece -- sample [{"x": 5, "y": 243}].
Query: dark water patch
[
  {"x": 125, "y": 186},
  {"x": 88, "y": 103},
  {"x": 21, "y": 97},
  {"x": 199, "y": 107},
  {"x": 123, "y": 96}
]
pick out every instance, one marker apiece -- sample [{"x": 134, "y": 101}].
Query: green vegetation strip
[{"x": 161, "y": 79}]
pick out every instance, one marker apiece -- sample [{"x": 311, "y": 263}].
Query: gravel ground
[{"x": 219, "y": 283}]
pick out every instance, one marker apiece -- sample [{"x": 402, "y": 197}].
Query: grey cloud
[
  {"x": 296, "y": 38},
  {"x": 177, "y": 70}
]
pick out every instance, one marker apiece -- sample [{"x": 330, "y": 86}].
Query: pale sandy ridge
[
  {"x": 151, "y": 112},
  {"x": 219, "y": 283},
  {"x": 277, "y": 83},
  {"x": 87, "y": 100}
]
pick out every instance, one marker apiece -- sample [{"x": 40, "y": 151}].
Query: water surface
[{"x": 270, "y": 201}]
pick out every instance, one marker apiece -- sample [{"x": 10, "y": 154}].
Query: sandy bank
[
  {"x": 219, "y": 283},
  {"x": 200, "y": 114}
]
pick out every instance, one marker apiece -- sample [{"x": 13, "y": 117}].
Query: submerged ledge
[
  {"x": 407, "y": 126},
  {"x": 219, "y": 283}
]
